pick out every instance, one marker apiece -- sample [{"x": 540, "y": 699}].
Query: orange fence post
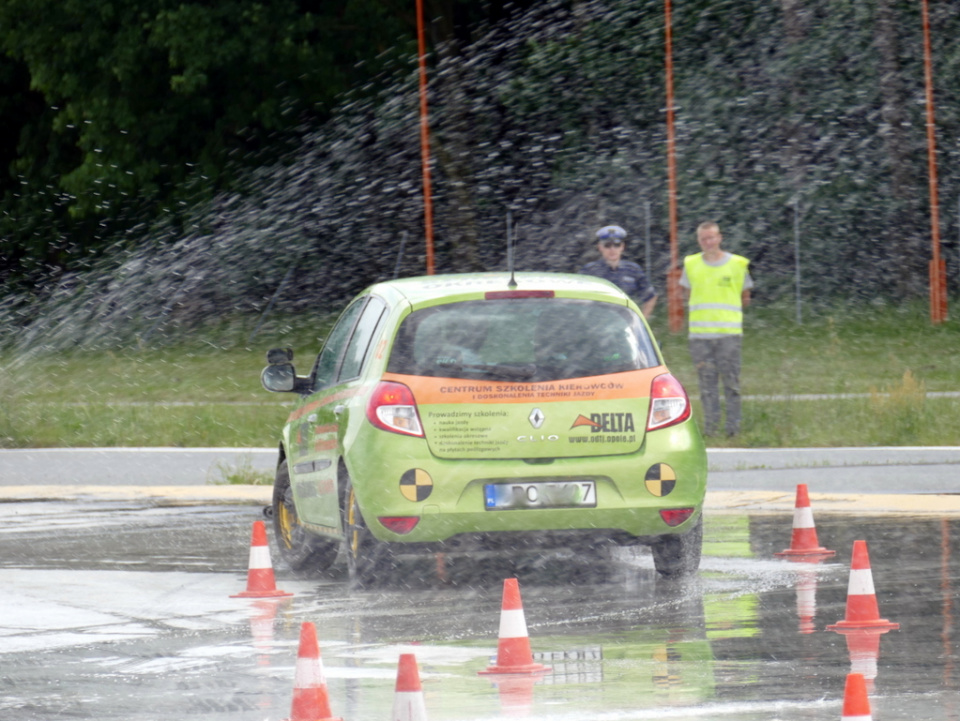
[
  {"x": 674, "y": 301},
  {"x": 938, "y": 274},
  {"x": 425, "y": 140},
  {"x": 938, "y": 290}
]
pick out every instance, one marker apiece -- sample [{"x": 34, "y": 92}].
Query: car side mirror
[{"x": 279, "y": 377}]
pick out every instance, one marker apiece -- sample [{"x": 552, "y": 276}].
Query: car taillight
[
  {"x": 392, "y": 408},
  {"x": 675, "y": 516},
  {"x": 399, "y": 524},
  {"x": 669, "y": 403}
]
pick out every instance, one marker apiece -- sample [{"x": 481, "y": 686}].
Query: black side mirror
[{"x": 279, "y": 377}]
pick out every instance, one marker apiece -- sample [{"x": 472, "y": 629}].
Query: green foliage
[
  {"x": 244, "y": 474},
  {"x": 140, "y": 104},
  {"x": 119, "y": 113},
  {"x": 146, "y": 91}
]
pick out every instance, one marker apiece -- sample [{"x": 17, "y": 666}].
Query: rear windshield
[{"x": 529, "y": 339}]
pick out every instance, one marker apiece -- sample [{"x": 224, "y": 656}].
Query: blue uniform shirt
[{"x": 628, "y": 276}]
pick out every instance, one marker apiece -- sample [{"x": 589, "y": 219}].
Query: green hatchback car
[{"x": 486, "y": 411}]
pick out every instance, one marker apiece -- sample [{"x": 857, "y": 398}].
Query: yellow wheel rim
[
  {"x": 354, "y": 535},
  {"x": 287, "y": 520}
]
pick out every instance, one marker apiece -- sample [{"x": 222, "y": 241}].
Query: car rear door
[{"x": 318, "y": 421}]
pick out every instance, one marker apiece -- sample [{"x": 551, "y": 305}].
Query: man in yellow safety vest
[{"x": 717, "y": 286}]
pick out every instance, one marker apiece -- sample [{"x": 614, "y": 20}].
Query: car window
[
  {"x": 327, "y": 362},
  {"x": 529, "y": 339},
  {"x": 359, "y": 346}
]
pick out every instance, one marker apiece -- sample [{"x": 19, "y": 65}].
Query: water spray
[{"x": 513, "y": 281}]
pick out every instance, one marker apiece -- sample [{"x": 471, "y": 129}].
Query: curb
[{"x": 158, "y": 495}]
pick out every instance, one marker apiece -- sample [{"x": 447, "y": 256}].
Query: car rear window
[{"x": 528, "y": 339}]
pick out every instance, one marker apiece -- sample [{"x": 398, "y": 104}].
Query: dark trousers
[{"x": 718, "y": 359}]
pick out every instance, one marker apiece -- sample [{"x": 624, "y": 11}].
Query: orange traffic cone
[
  {"x": 408, "y": 702},
  {"x": 260, "y": 580},
  {"x": 310, "y": 699},
  {"x": 804, "y": 540},
  {"x": 862, "y": 609},
  {"x": 856, "y": 705},
  {"x": 513, "y": 651}
]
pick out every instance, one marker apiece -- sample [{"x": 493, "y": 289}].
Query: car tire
[
  {"x": 676, "y": 556},
  {"x": 369, "y": 560},
  {"x": 301, "y": 549}
]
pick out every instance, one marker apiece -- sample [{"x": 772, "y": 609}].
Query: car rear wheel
[
  {"x": 302, "y": 550},
  {"x": 368, "y": 558},
  {"x": 679, "y": 555}
]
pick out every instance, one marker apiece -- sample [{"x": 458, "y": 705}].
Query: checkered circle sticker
[
  {"x": 416, "y": 485},
  {"x": 660, "y": 479}
]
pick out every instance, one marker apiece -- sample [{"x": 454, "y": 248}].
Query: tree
[{"x": 142, "y": 104}]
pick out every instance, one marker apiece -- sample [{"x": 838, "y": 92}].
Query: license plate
[{"x": 560, "y": 494}]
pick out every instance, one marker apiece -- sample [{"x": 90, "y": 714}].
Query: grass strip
[{"x": 884, "y": 362}]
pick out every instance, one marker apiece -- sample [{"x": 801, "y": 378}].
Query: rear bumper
[{"x": 451, "y": 503}]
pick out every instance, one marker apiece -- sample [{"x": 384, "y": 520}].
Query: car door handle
[{"x": 337, "y": 410}]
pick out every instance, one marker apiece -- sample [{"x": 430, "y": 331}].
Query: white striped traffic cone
[
  {"x": 513, "y": 650},
  {"x": 408, "y": 704},
  {"x": 862, "y": 609},
  {"x": 311, "y": 701},
  {"x": 260, "y": 580},
  {"x": 804, "y": 541},
  {"x": 856, "y": 705}
]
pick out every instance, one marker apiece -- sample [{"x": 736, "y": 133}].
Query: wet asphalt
[{"x": 118, "y": 571}]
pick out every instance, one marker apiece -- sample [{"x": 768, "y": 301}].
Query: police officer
[
  {"x": 627, "y": 275},
  {"x": 717, "y": 286}
]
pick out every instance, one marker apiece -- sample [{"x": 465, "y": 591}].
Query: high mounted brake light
[
  {"x": 514, "y": 294},
  {"x": 393, "y": 408},
  {"x": 669, "y": 403}
]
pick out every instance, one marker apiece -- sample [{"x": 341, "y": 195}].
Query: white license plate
[{"x": 559, "y": 494}]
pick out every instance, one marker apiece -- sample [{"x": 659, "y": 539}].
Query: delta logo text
[{"x": 605, "y": 428}]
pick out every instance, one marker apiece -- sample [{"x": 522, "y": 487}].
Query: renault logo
[{"x": 536, "y": 418}]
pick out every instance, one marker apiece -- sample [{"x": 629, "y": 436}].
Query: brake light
[
  {"x": 514, "y": 294},
  {"x": 392, "y": 408},
  {"x": 675, "y": 516},
  {"x": 401, "y": 525},
  {"x": 669, "y": 403}
]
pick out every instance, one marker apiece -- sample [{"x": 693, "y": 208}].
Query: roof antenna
[{"x": 513, "y": 282}]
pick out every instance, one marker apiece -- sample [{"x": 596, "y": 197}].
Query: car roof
[{"x": 427, "y": 290}]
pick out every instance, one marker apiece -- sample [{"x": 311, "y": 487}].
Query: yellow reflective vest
[{"x": 716, "y": 301}]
